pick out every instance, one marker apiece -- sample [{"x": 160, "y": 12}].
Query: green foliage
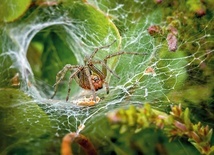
[
  {"x": 196, "y": 6},
  {"x": 176, "y": 124},
  {"x": 184, "y": 75},
  {"x": 13, "y": 9},
  {"x": 25, "y": 127}
]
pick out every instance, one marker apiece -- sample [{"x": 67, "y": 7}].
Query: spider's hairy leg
[
  {"x": 99, "y": 48},
  {"x": 87, "y": 72},
  {"x": 107, "y": 87},
  {"x": 104, "y": 62},
  {"x": 60, "y": 75},
  {"x": 104, "y": 68},
  {"x": 70, "y": 80},
  {"x": 96, "y": 70},
  {"x": 121, "y": 53}
]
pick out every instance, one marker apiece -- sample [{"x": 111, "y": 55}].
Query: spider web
[{"x": 153, "y": 78}]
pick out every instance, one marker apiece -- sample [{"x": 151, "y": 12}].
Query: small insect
[{"x": 88, "y": 76}]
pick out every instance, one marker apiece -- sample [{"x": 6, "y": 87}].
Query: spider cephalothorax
[{"x": 88, "y": 76}]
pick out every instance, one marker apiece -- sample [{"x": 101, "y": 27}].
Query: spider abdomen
[{"x": 83, "y": 80}]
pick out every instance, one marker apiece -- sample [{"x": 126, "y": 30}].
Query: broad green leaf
[
  {"x": 25, "y": 128},
  {"x": 13, "y": 9}
]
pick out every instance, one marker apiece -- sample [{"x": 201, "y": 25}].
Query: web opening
[{"x": 155, "y": 78}]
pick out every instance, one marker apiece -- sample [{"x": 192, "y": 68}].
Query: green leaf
[
  {"x": 13, "y": 9},
  {"x": 195, "y": 5},
  {"x": 23, "y": 124},
  {"x": 209, "y": 135},
  {"x": 90, "y": 15},
  {"x": 211, "y": 150},
  {"x": 186, "y": 118}
]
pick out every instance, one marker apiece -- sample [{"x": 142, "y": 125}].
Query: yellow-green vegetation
[
  {"x": 13, "y": 9},
  {"x": 39, "y": 37},
  {"x": 175, "y": 124}
]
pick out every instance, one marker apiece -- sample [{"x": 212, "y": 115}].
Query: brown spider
[{"x": 88, "y": 76}]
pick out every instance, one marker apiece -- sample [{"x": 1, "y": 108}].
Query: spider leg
[
  {"x": 69, "y": 83},
  {"x": 95, "y": 69},
  {"x": 104, "y": 62},
  {"x": 105, "y": 66},
  {"x": 103, "y": 73},
  {"x": 99, "y": 48},
  {"x": 107, "y": 87},
  {"x": 61, "y": 74},
  {"x": 121, "y": 53},
  {"x": 87, "y": 72}
]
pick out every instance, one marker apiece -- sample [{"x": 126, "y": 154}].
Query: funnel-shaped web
[{"x": 47, "y": 38}]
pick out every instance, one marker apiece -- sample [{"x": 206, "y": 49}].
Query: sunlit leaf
[{"x": 12, "y": 9}]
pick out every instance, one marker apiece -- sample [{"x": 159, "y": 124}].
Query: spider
[{"x": 88, "y": 76}]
